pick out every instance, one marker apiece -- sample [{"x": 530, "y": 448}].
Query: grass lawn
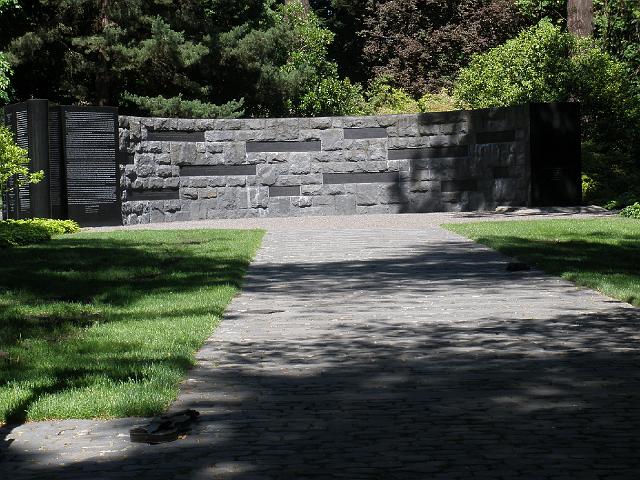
[
  {"x": 603, "y": 254},
  {"x": 106, "y": 324}
]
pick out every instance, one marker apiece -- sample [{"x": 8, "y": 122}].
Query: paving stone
[{"x": 384, "y": 353}]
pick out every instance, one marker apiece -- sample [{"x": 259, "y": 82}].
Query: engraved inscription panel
[{"x": 91, "y": 165}]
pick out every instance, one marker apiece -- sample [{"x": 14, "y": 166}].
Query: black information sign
[
  {"x": 90, "y": 145},
  {"x": 57, "y": 174}
]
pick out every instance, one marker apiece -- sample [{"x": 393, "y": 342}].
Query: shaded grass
[
  {"x": 603, "y": 254},
  {"x": 106, "y": 324}
]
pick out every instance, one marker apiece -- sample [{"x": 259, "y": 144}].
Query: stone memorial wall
[{"x": 178, "y": 169}]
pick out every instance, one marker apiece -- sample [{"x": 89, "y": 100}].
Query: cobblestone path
[{"x": 385, "y": 354}]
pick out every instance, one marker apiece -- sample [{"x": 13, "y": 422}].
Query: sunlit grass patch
[
  {"x": 603, "y": 253},
  {"x": 106, "y": 324}
]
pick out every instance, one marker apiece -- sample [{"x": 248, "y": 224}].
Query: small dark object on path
[
  {"x": 517, "y": 267},
  {"x": 165, "y": 428}
]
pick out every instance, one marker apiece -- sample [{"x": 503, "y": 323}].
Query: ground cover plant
[
  {"x": 106, "y": 324},
  {"x": 14, "y": 233},
  {"x": 602, "y": 253}
]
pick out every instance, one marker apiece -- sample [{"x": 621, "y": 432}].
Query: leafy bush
[
  {"x": 332, "y": 96},
  {"x": 437, "y": 102},
  {"x": 532, "y": 67},
  {"x": 178, "y": 107},
  {"x": 14, "y": 162},
  {"x": 632, "y": 211},
  {"x": 14, "y": 233},
  {"x": 283, "y": 65},
  {"x": 5, "y": 71},
  {"x": 610, "y": 178},
  {"x": 545, "y": 64},
  {"x": 384, "y": 99}
]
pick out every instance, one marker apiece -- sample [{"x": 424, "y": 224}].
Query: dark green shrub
[
  {"x": 385, "y": 99},
  {"x": 178, "y": 107},
  {"x": 15, "y": 233},
  {"x": 632, "y": 211},
  {"x": 331, "y": 96},
  {"x": 532, "y": 67}
]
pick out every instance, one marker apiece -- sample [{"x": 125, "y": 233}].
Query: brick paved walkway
[{"x": 385, "y": 354}]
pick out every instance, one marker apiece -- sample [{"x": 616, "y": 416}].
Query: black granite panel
[
  {"x": 341, "y": 178},
  {"x": 496, "y": 137},
  {"x": 468, "y": 185},
  {"x": 308, "y": 146},
  {"x": 429, "y": 152},
  {"x": 174, "y": 136},
  {"x": 501, "y": 172},
  {"x": 278, "y": 191},
  {"x": 217, "y": 170},
  {"x": 91, "y": 164},
  {"x": 555, "y": 154},
  {"x": 136, "y": 195},
  {"x": 367, "y": 132}
]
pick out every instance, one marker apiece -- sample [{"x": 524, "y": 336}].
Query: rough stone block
[
  {"x": 425, "y": 186},
  {"x": 220, "y": 136},
  {"x": 235, "y": 153},
  {"x": 219, "y": 181},
  {"x": 279, "y": 206},
  {"x": 189, "y": 193},
  {"x": 332, "y": 139},
  {"x": 311, "y": 189},
  {"x": 396, "y": 143},
  {"x": 162, "y": 159},
  {"x": 323, "y": 200},
  {"x": 183, "y": 153},
  {"x": 196, "y": 182},
  {"x": 258, "y": 197},
  {"x": 300, "y": 166},
  {"x": 207, "y": 193},
  {"x": 166, "y": 171},
  {"x": 320, "y": 123},
  {"x": 171, "y": 182},
  {"x": 140, "y": 159},
  {"x": 301, "y": 202},
  {"x": 345, "y": 205},
  {"x": 268, "y": 174},
  {"x": 307, "y": 134}
]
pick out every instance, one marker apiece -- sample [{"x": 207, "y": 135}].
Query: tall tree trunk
[
  {"x": 103, "y": 74},
  {"x": 580, "y": 17}
]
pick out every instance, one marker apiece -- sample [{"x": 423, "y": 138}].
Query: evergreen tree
[{"x": 91, "y": 51}]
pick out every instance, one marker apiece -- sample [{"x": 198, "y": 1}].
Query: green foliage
[
  {"x": 384, "y": 99},
  {"x": 5, "y": 72},
  {"x": 89, "y": 51},
  {"x": 599, "y": 253},
  {"x": 332, "y": 96},
  {"x": 14, "y": 162},
  {"x": 545, "y": 64},
  {"x": 178, "y": 107},
  {"x": 442, "y": 101},
  {"x": 14, "y": 233},
  {"x": 610, "y": 178},
  {"x": 536, "y": 10},
  {"x": 283, "y": 65},
  {"x": 106, "y": 324},
  {"x": 632, "y": 211},
  {"x": 617, "y": 26},
  {"x": 533, "y": 67},
  {"x": 422, "y": 44}
]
